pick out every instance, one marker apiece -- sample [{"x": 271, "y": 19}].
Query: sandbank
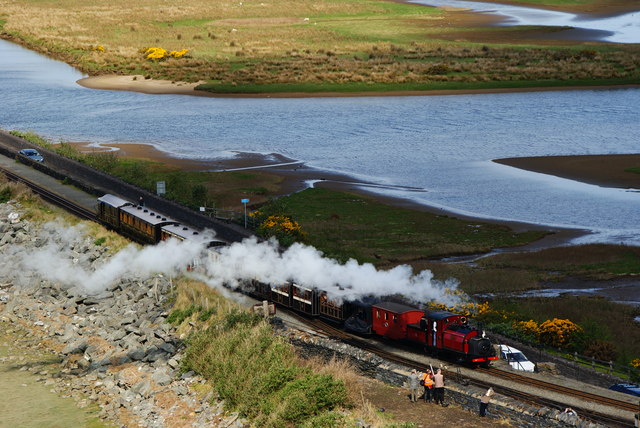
[
  {"x": 150, "y": 86},
  {"x": 602, "y": 170},
  {"x": 138, "y": 83}
]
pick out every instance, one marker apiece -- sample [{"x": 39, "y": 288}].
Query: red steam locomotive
[{"x": 439, "y": 333}]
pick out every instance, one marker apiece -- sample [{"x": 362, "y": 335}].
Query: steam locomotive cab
[{"x": 449, "y": 332}]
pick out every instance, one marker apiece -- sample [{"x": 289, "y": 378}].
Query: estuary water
[
  {"x": 439, "y": 146},
  {"x": 622, "y": 28}
]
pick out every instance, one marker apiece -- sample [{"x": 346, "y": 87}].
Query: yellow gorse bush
[
  {"x": 282, "y": 227},
  {"x": 635, "y": 363},
  {"x": 283, "y": 224},
  {"x": 529, "y": 328},
  {"x": 179, "y": 54},
  {"x": 466, "y": 307},
  {"x": 156, "y": 53},
  {"x": 558, "y": 332},
  {"x": 98, "y": 48}
]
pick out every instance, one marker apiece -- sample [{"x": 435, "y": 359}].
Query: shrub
[
  {"x": 199, "y": 194},
  {"x": 308, "y": 396},
  {"x": 206, "y": 314},
  {"x": 558, "y": 332},
  {"x": 529, "y": 330},
  {"x": 104, "y": 161},
  {"x": 602, "y": 350},
  {"x": 155, "y": 53},
  {"x": 258, "y": 374},
  {"x": 282, "y": 227},
  {"x": 177, "y": 316},
  {"x": 31, "y": 137},
  {"x": 241, "y": 318},
  {"x": 5, "y": 194}
]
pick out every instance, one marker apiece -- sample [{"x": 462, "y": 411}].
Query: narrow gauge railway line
[
  {"x": 585, "y": 410},
  {"x": 52, "y": 197},
  {"x": 549, "y": 386}
]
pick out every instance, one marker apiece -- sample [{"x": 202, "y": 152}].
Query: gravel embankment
[{"x": 116, "y": 348}]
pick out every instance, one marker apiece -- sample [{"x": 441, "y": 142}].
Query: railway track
[
  {"x": 518, "y": 387},
  {"x": 52, "y": 197},
  {"x": 549, "y": 386}
]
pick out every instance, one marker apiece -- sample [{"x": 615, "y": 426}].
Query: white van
[{"x": 516, "y": 359}]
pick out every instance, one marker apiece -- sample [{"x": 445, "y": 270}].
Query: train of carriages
[{"x": 438, "y": 332}]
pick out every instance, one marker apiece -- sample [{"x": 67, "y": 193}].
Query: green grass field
[{"x": 313, "y": 46}]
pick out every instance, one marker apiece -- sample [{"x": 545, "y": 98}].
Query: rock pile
[{"x": 116, "y": 348}]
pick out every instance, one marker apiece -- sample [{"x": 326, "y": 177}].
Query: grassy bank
[
  {"x": 258, "y": 373},
  {"x": 345, "y": 226},
  {"x": 308, "y": 46}
]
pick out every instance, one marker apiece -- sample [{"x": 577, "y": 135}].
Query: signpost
[
  {"x": 160, "y": 187},
  {"x": 245, "y": 202}
]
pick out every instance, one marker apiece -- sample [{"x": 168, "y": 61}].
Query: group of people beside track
[{"x": 432, "y": 384}]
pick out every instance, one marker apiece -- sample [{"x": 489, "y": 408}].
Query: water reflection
[{"x": 623, "y": 28}]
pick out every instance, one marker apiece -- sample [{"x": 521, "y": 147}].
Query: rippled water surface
[{"x": 442, "y": 145}]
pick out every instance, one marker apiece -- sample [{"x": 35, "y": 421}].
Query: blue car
[
  {"x": 32, "y": 154},
  {"x": 627, "y": 388}
]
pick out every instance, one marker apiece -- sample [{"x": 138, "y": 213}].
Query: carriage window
[
  {"x": 386, "y": 316},
  {"x": 395, "y": 318},
  {"x": 377, "y": 314}
]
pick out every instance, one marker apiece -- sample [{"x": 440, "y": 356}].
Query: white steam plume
[
  {"x": 306, "y": 266},
  {"x": 56, "y": 260},
  {"x": 59, "y": 259}
]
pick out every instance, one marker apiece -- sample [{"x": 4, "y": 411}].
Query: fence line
[{"x": 231, "y": 216}]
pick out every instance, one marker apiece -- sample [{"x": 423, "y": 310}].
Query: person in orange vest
[{"x": 426, "y": 380}]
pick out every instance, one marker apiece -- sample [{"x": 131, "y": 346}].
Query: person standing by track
[
  {"x": 414, "y": 384},
  {"x": 426, "y": 380},
  {"x": 438, "y": 387},
  {"x": 484, "y": 402}
]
